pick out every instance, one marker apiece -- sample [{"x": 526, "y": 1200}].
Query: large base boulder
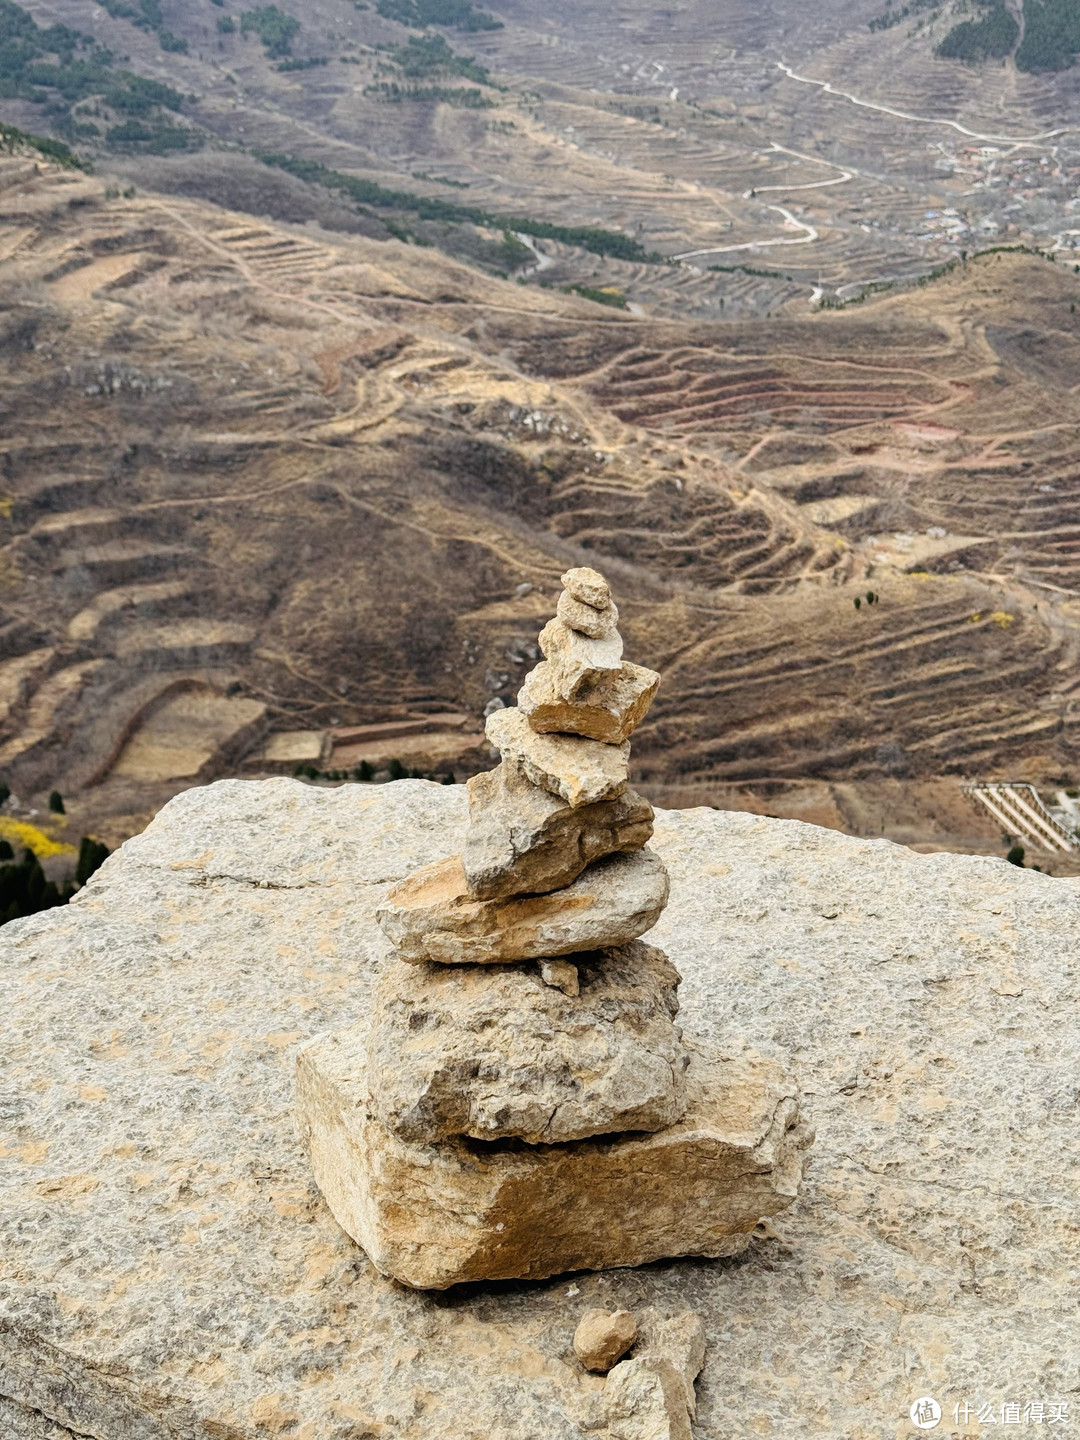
[
  {"x": 170, "y": 1268},
  {"x": 434, "y": 1215}
]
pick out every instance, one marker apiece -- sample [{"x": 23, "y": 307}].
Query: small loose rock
[
  {"x": 603, "y": 1337},
  {"x": 561, "y": 975}
]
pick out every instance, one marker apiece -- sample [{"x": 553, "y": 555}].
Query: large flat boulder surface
[{"x": 170, "y": 1272}]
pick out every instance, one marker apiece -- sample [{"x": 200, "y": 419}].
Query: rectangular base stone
[{"x": 434, "y": 1215}]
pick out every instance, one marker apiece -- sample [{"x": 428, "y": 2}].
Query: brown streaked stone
[
  {"x": 695, "y": 1188},
  {"x": 432, "y": 916}
]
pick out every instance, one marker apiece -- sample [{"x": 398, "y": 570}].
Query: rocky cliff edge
[{"x": 170, "y": 1271}]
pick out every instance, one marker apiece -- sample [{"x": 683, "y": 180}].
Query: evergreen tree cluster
[
  {"x": 146, "y": 14},
  {"x": 455, "y": 14},
  {"x": 365, "y": 773},
  {"x": 274, "y": 28},
  {"x": 991, "y": 37},
  {"x": 92, "y": 855},
  {"x": 461, "y": 96},
  {"x": 429, "y": 207},
  {"x": 24, "y": 888},
  {"x": 59, "y": 67},
  {"x": 424, "y": 56},
  {"x": 892, "y": 16},
  {"x": 1051, "y": 35},
  {"x": 11, "y": 138}
]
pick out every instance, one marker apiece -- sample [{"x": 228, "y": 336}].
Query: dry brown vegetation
[{"x": 262, "y": 478}]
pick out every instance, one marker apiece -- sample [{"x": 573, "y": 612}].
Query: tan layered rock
[
  {"x": 609, "y": 710},
  {"x": 432, "y": 916},
  {"x": 524, "y": 840},
  {"x": 562, "y": 975},
  {"x": 496, "y": 1053},
  {"x": 596, "y": 624},
  {"x": 604, "y": 1336},
  {"x": 679, "y": 1339},
  {"x": 643, "y": 1400},
  {"x": 651, "y": 1395},
  {"x": 433, "y": 1215},
  {"x": 587, "y": 586},
  {"x": 575, "y": 659},
  {"x": 582, "y": 771}
]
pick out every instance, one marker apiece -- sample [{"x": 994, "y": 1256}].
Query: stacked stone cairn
[{"x": 519, "y": 1106}]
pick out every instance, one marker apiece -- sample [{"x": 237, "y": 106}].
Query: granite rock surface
[
  {"x": 494, "y": 1052},
  {"x": 169, "y": 1271}
]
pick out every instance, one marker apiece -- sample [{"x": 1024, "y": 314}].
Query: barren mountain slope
[
  {"x": 702, "y": 135},
  {"x": 265, "y": 478}
]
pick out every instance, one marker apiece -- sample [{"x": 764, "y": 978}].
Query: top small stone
[{"x": 588, "y": 586}]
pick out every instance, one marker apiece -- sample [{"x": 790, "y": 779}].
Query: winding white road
[
  {"x": 543, "y": 262},
  {"x": 831, "y": 89},
  {"x": 789, "y": 219},
  {"x": 774, "y": 148},
  {"x": 809, "y": 233}
]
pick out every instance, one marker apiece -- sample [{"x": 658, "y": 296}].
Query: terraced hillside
[
  {"x": 694, "y": 163},
  {"x": 268, "y": 482}
]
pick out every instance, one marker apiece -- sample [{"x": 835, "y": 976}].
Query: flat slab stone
[
  {"x": 493, "y": 1052},
  {"x": 168, "y": 1267},
  {"x": 581, "y": 771},
  {"x": 437, "y": 1215},
  {"x": 524, "y": 840},
  {"x": 432, "y": 916},
  {"x": 609, "y": 710}
]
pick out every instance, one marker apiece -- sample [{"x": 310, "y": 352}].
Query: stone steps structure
[{"x": 523, "y": 1102}]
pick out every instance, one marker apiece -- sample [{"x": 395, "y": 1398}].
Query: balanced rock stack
[{"x": 523, "y": 1103}]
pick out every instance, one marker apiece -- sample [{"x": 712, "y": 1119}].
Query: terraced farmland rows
[{"x": 265, "y": 483}]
